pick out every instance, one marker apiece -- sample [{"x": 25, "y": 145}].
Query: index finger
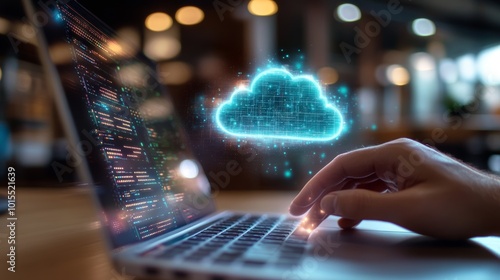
[{"x": 355, "y": 164}]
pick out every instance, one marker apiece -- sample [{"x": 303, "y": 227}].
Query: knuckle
[
  {"x": 403, "y": 142},
  {"x": 400, "y": 145},
  {"x": 340, "y": 160},
  {"x": 340, "y": 157}
]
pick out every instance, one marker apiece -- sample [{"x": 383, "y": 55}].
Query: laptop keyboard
[{"x": 246, "y": 239}]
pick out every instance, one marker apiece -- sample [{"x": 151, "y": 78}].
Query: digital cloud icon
[{"x": 282, "y": 106}]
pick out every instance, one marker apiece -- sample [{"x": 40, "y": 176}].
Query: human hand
[{"x": 406, "y": 183}]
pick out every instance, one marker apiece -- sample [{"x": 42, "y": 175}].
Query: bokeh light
[
  {"x": 60, "y": 53},
  {"x": 4, "y": 26},
  {"x": 348, "y": 12},
  {"x": 174, "y": 73},
  {"x": 160, "y": 48},
  {"x": 262, "y": 7},
  {"x": 328, "y": 75},
  {"x": 467, "y": 67},
  {"x": 448, "y": 71},
  {"x": 189, "y": 15},
  {"x": 158, "y": 22},
  {"x": 189, "y": 169},
  {"x": 423, "y": 27},
  {"x": 488, "y": 71},
  {"x": 397, "y": 75},
  {"x": 423, "y": 61}
]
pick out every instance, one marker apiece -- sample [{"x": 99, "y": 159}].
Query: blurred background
[{"x": 427, "y": 70}]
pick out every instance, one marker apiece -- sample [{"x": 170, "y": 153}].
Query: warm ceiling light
[
  {"x": 348, "y": 12},
  {"x": 397, "y": 75},
  {"x": 328, "y": 75},
  {"x": 158, "y": 22},
  {"x": 189, "y": 15},
  {"x": 262, "y": 7}
]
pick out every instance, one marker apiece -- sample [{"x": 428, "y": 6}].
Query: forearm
[{"x": 496, "y": 208}]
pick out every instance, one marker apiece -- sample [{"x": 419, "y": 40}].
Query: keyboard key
[
  {"x": 238, "y": 248},
  {"x": 212, "y": 245},
  {"x": 223, "y": 261},
  {"x": 248, "y": 239},
  {"x": 270, "y": 241},
  {"x": 219, "y": 241},
  {"x": 244, "y": 243},
  {"x": 255, "y": 262},
  {"x": 194, "y": 258}
]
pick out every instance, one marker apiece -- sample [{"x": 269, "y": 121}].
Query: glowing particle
[
  {"x": 343, "y": 90},
  {"x": 58, "y": 16}
]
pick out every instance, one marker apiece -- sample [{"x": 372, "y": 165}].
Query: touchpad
[{"x": 379, "y": 250}]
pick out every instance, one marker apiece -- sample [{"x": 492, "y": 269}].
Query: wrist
[{"x": 493, "y": 195}]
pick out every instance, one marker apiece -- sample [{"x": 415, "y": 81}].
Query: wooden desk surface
[{"x": 58, "y": 236}]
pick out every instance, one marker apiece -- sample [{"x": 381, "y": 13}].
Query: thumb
[{"x": 360, "y": 204}]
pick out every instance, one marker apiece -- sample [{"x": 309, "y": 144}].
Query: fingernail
[{"x": 329, "y": 204}]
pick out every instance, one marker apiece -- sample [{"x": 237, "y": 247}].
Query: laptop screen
[{"x": 146, "y": 179}]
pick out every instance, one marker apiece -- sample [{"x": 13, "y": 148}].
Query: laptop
[{"x": 154, "y": 201}]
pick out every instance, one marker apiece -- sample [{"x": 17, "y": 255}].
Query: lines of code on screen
[{"x": 139, "y": 151}]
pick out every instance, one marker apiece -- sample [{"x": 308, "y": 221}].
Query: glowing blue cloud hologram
[{"x": 280, "y": 105}]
